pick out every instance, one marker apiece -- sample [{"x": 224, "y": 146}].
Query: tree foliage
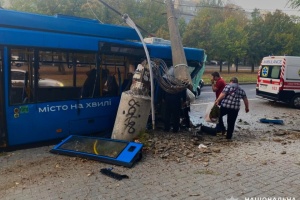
[
  {"x": 223, "y": 30},
  {"x": 1, "y": 3},
  {"x": 230, "y": 41},
  {"x": 49, "y": 7},
  {"x": 199, "y": 31},
  {"x": 294, "y": 3},
  {"x": 145, "y": 13}
]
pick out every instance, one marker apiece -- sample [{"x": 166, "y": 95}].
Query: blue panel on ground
[
  {"x": 111, "y": 151},
  {"x": 271, "y": 121}
]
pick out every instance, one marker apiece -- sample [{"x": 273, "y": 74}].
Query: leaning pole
[{"x": 178, "y": 56}]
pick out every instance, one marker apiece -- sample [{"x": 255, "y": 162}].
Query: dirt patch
[{"x": 23, "y": 173}]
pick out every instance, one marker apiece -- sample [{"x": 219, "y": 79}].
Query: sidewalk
[{"x": 263, "y": 161}]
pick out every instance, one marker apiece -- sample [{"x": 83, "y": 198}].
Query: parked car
[
  {"x": 15, "y": 61},
  {"x": 18, "y": 77},
  {"x": 18, "y": 63},
  {"x": 214, "y": 62}
]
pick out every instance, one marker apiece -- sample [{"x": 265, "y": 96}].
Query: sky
[{"x": 269, "y": 5}]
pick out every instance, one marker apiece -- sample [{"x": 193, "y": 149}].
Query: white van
[{"x": 279, "y": 79}]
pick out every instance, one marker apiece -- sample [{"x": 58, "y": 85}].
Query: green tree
[
  {"x": 230, "y": 41},
  {"x": 199, "y": 31},
  {"x": 294, "y": 3},
  {"x": 1, "y": 3},
  {"x": 278, "y": 28},
  {"x": 182, "y": 26},
  {"x": 49, "y": 7},
  {"x": 141, "y": 12},
  {"x": 221, "y": 29},
  {"x": 296, "y": 41},
  {"x": 272, "y": 34},
  {"x": 256, "y": 39}
]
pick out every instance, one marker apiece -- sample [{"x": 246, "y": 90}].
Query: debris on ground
[
  {"x": 197, "y": 146},
  {"x": 271, "y": 121}
]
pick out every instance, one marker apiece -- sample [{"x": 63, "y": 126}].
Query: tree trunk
[{"x": 228, "y": 65}]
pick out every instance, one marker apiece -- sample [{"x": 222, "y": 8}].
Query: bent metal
[{"x": 58, "y": 108}]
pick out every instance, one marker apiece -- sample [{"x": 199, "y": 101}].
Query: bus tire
[{"x": 295, "y": 101}]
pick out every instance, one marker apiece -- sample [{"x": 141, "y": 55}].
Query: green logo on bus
[{"x": 24, "y": 109}]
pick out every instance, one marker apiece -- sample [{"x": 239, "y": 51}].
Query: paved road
[
  {"x": 262, "y": 162},
  {"x": 207, "y": 95}
]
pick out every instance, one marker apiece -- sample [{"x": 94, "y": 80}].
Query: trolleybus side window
[
  {"x": 115, "y": 67},
  {"x": 19, "y": 70},
  {"x": 62, "y": 75}
]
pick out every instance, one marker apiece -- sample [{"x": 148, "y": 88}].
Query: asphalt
[{"x": 262, "y": 162}]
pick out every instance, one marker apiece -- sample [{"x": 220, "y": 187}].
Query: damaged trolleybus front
[{"x": 279, "y": 79}]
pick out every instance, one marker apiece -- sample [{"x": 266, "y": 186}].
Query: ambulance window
[{"x": 275, "y": 72}]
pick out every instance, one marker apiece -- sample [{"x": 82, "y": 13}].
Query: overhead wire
[
  {"x": 165, "y": 77},
  {"x": 88, "y": 3},
  {"x": 116, "y": 11}
]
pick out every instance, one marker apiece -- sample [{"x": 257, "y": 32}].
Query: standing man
[
  {"x": 185, "y": 109},
  {"x": 173, "y": 103},
  {"x": 217, "y": 83},
  {"x": 230, "y": 100}
]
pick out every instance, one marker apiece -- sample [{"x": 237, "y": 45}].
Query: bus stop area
[{"x": 262, "y": 161}]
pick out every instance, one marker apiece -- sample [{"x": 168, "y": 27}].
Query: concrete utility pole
[{"x": 178, "y": 56}]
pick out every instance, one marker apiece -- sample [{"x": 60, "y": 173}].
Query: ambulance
[{"x": 279, "y": 79}]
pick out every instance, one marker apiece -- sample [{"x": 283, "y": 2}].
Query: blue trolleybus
[{"x": 62, "y": 75}]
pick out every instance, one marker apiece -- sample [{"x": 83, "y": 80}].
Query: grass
[{"x": 244, "y": 75}]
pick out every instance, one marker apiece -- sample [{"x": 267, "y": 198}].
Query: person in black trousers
[
  {"x": 173, "y": 103},
  {"x": 230, "y": 100}
]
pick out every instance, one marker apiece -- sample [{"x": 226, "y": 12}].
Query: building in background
[{"x": 187, "y": 8}]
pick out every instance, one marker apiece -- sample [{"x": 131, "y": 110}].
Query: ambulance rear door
[{"x": 269, "y": 76}]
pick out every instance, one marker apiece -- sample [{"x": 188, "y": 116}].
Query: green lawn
[{"x": 244, "y": 76}]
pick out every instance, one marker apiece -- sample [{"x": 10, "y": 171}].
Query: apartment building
[{"x": 187, "y": 8}]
